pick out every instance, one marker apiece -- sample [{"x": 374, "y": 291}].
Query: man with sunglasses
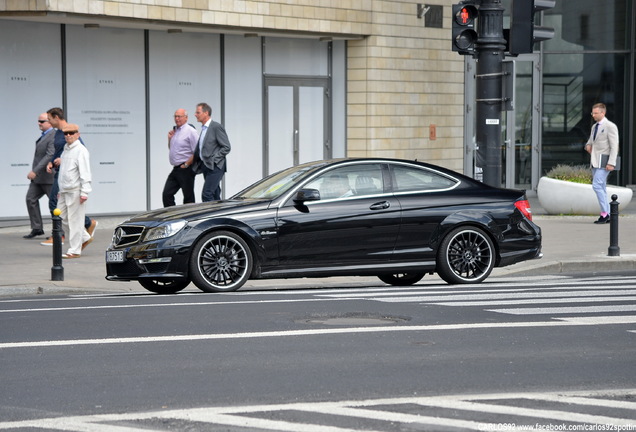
[
  {"x": 58, "y": 120},
  {"x": 74, "y": 181},
  {"x": 40, "y": 180}
]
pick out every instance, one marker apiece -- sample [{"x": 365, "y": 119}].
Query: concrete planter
[{"x": 564, "y": 197}]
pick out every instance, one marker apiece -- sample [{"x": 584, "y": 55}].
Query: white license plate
[{"x": 114, "y": 256}]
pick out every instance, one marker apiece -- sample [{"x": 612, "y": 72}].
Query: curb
[{"x": 595, "y": 264}]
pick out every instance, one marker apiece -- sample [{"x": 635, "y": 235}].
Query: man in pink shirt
[{"x": 182, "y": 141}]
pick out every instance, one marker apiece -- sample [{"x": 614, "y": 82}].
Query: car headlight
[{"x": 164, "y": 231}]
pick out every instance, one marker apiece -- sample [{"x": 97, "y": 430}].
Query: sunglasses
[
  {"x": 42, "y": 121},
  {"x": 70, "y": 133}
]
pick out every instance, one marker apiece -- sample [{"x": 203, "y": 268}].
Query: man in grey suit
[
  {"x": 41, "y": 180},
  {"x": 603, "y": 141},
  {"x": 210, "y": 154}
]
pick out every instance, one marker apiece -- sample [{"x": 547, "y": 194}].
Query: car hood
[{"x": 191, "y": 212}]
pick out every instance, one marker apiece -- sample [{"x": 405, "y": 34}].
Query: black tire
[
  {"x": 161, "y": 286},
  {"x": 220, "y": 262},
  {"x": 401, "y": 279},
  {"x": 466, "y": 255}
]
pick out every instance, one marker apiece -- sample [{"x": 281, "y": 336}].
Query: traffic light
[
  {"x": 523, "y": 33},
  {"x": 464, "y": 33}
]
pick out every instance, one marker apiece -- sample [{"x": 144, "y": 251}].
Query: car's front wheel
[
  {"x": 466, "y": 255},
  {"x": 401, "y": 279},
  {"x": 161, "y": 286},
  {"x": 220, "y": 261}
]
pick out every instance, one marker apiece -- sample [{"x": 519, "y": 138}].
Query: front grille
[
  {"x": 125, "y": 269},
  {"x": 127, "y": 234},
  {"x": 157, "y": 267}
]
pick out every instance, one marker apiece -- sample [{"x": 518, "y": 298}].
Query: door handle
[{"x": 380, "y": 206}]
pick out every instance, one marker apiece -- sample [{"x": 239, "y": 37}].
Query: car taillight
[{"x": 524, "y": 207}]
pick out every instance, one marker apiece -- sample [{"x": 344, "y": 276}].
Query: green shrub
[{"x": 573, "y": 173}]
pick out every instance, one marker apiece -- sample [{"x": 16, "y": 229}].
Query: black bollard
[
  {"x": 57, "y": 271},
  {"x": 613, "y": 249}
]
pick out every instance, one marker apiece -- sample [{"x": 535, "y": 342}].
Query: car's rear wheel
[
  {"x": 401, "y": 279},
  {"x": 161, "y": 286},
  {"x": 466, "y": 255},
  {"x": 221, "y": 261}
]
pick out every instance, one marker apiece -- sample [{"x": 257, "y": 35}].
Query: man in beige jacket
[{"x": 603, "y": 141}]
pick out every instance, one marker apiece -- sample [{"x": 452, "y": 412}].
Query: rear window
[{"x": 409, "y": 179}]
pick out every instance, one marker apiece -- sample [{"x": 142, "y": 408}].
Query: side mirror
[{"x": 307, "y": 195}]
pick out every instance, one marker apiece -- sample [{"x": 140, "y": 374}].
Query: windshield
[{"x": 275, "y": 185}]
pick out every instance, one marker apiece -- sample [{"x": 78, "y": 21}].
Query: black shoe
[
  {"x": 33, "y": 233},
  {"x": 602, "y": 220}
]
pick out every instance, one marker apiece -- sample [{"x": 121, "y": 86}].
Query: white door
[{"x": 296, "y": 119}]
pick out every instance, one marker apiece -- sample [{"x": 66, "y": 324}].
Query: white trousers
[{"x": 72, "y": 215}]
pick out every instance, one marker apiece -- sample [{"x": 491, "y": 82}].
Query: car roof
[{"x": 339, "y": 161}]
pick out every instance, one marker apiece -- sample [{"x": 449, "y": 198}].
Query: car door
[{"x": 353, "y": 225}]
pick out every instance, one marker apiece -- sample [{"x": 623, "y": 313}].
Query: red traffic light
[
  {"x": 466, "y": 15},
  {"x": 464, "y": 34}
]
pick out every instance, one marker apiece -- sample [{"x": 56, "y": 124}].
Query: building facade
[{"x": 292, "y": 81}]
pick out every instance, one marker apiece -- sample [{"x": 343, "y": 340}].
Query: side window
[
  {"x": 347, "y": 181},
  {"x": 408, "y": 179}
]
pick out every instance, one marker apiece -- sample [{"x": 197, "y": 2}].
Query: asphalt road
[{"x": 425, "y": 357}]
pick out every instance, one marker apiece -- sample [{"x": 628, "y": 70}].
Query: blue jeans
[{"x": 599, "y": 184}]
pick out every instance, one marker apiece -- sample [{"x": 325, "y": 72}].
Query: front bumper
[{"x": 148, "y": 261}]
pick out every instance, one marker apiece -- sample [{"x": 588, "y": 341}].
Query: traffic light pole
[{"x": 490, "y": 48}]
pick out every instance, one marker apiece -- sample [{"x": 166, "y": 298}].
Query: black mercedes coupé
[{"x": 394, "y": 219}]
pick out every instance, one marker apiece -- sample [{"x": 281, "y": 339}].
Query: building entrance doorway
[{"x": 297, "y": 122}]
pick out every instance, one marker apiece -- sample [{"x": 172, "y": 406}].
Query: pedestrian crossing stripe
[
  {"x": 565, "y": 310},
  {"x": 502, "y": 409},
  {"x": 392, "y": 296}
]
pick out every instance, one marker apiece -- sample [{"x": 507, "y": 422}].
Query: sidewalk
[{"x": 570, "y": 244}]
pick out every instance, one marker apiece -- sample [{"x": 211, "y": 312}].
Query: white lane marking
[
  {"x": 475, "y": 292},
  {"x": 565, "y": 310},
  {"x": 537, "y": 301},
  {"x": 528, "y": 412},
  {"x": 257, "y": 423},
  {"x": 579, "y": 400},
  {"x": 442, "y": 289},
  {"x": 532, "y": 281},
  {"x": 151, "y": 305},
  {"x": 248, "y": 415},
  {"x": 560, "y": 322},
  {"x": 469, "y": 289},
  {"x": 596, "y": 320},
  {"x": 92, "y": 423},
  {"x": 396, "y": 417},
  {"x": 407, "y": 299},
  {"x": 499, "y": 296},
  {"x": 78, "y": 424}
]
